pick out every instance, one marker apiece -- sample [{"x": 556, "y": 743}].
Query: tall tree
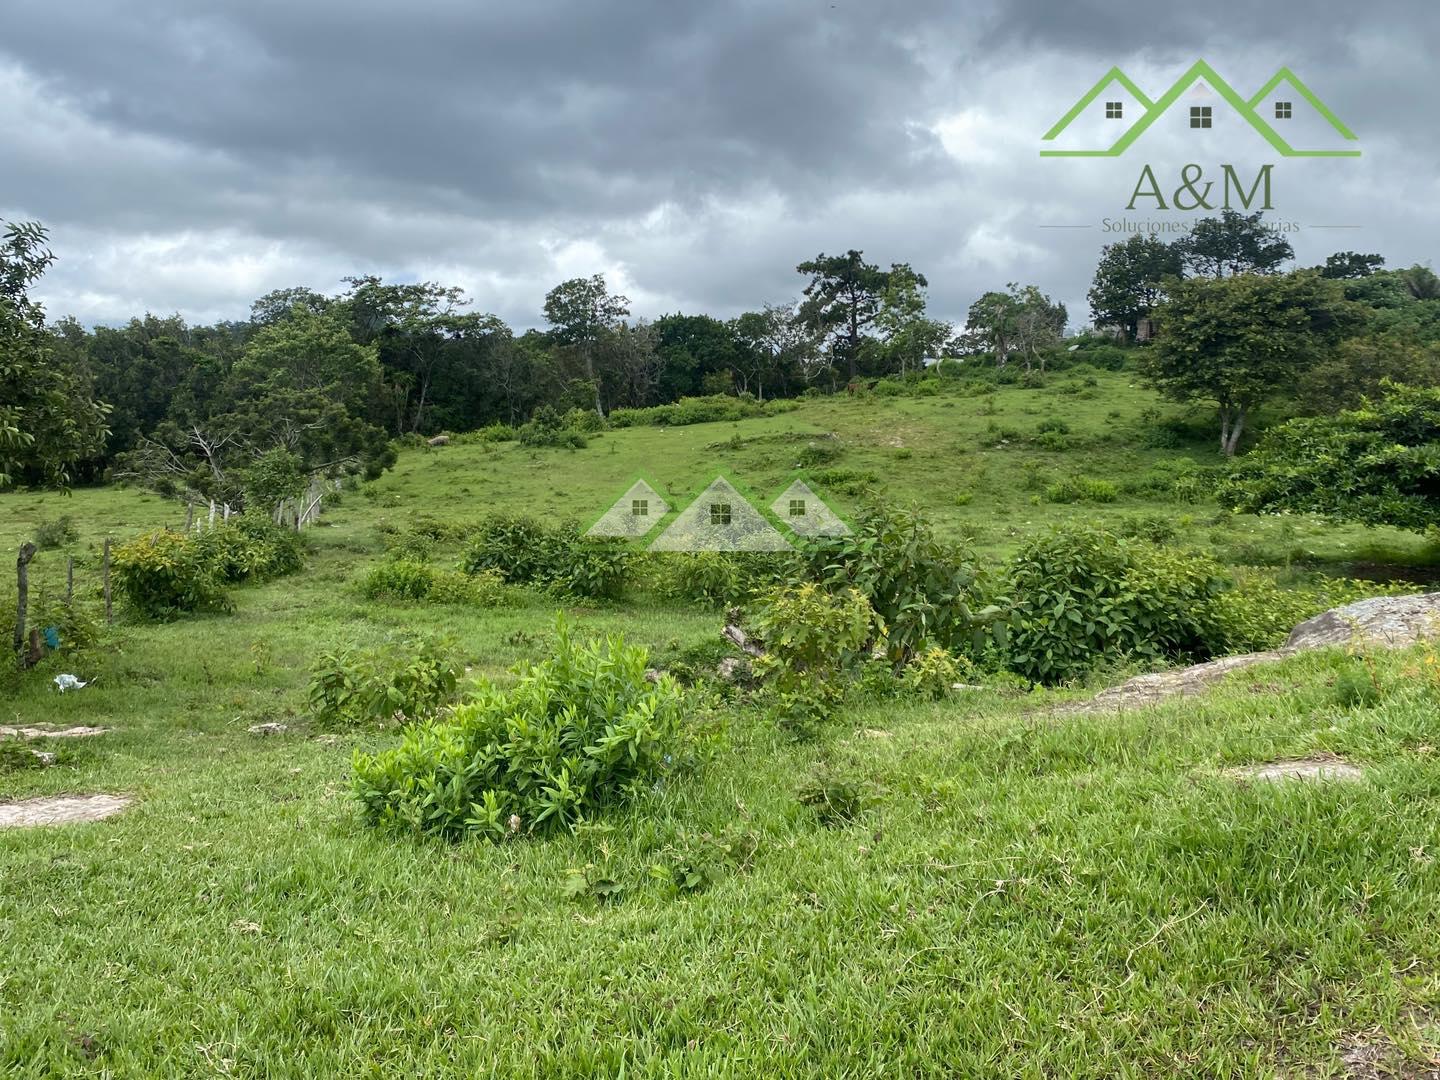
[
  {"x": 1348, "y": 265},
  {"x": 1020, "y": 320},
  {"x": 419, "y": 329},
  {"x": 49, "y": 418},
  {"x": 1129, "y": 281},
  {"x": 1233, "y": 243},
  {"x": 778, "y": 347},
  {"x": 581, "y": 311},
  {"x": 1238, "y": 341},
  {"x": 843, "y": 299},
  {"x": 910, "y": 336}
]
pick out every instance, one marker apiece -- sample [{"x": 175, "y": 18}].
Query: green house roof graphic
[
  {"x": 805, "y": 514},
  {"x": 633, "y": 515},
  {"x": 720, "y": 519},
  {"x": 1153, "y": 110}
]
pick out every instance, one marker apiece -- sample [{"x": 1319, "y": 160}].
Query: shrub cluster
[
  {"x": 1085, "y": 597},
  {"x": 524, "y": 551},
  {"x": 405, "y": 682},
  {"x": 716, "y": 578},
  {"x": 579, "y": 732},
  {"x": 166, "y": 574},
  {"x": 412, "y": 581},
  {"x": 699, "y": 410},
  {"x": 924, "y": 590}
]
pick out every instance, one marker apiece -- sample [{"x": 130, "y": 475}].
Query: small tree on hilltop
[{"x": 1238, "y": 341}]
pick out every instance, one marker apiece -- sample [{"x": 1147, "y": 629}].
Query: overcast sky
[{"x": 189, "y": 156}]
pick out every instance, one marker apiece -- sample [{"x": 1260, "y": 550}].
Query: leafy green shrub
[
  {"x": 250, "y": 548},
  {"x": 404, "y": 580},
  {"x": 932, "y": 673},
  {"x": 837, "y": 796},
  {"x": 698, "y": 410},
  {"x": 521, "y": 549},
  {"x": 547, "y": 428},
  {"x": 692, "y": 863},
  {"x": 579, "y": 732},
  {"x": 702, "y": 577},
  {"x": 925, "y": 591},
  {"x": 1085, "y": 598},
  {"x": 166, "y": 574},
  {"x": 1152, "y": 528},
  {"x": 1075, "y": 489},
  {"x": 406, "y": 682},
  {"x": 846, "y": 481},
  {"x": 524, "y": 551},
  {"x": 810, "y": 631},
  {"x": 818, "y": 453},
  {"x": 1257, "y": 613},
  {"x": 60, "y": 532}
]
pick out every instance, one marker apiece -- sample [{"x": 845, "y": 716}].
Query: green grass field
[{"x": 1026, "y": 892}]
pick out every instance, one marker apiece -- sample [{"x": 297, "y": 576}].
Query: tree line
[{"x": 324, "y": 384}]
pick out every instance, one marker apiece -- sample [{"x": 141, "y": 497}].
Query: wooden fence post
[
  {"x": 189, "y": 516},
  {"x": 105, "y": 578},
  {"x": 22, "y": 593},
  {"x": 70, "y": 580}
]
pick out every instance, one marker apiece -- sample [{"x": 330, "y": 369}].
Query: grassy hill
[{"x": 1022, "y": 892}]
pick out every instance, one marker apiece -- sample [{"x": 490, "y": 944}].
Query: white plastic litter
[{"x": 69, "y": 682}]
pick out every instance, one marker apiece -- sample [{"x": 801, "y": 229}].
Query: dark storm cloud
[{"x": 193, "y": 156}]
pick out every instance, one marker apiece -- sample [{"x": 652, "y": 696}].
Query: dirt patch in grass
[
  {"x": 1314, "y": 769},
  {"x": 79, "y": 732},
  {"x": 61, "y": 810}
]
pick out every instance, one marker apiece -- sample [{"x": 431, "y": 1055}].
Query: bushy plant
[
  {"x": 404, "y": 580},
  {"x": 810, "y": 631},
  {"x": 1085, "y": 597},
  {"x": 579, "y": 732},
  {"x": 716, "y": 578},
  {"x": 924, "y": 590},
  {"x": 166, "y": 574},
  {"x": 406, "y": 682},
  {"x": 1257, "y": 613},
  {"x": 250, "y": 547},
  {"x": 524, "y": 551},
  {"x": 1075, "y": 489},
  {"x": 60, "y": 532},
  {"x": 932, "y": 673}
]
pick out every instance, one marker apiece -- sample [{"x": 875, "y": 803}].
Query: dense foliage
[
  {"x": 525, "y": 551},
  {"x": 167, "y": 574},
  {"x": 1379, "y": 464},
  {"x": 924, "y": 590},
  {"x": 577, "y": 733},
  {"x": 405, "y": 682}
]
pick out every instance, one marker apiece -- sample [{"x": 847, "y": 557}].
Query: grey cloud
[{"x": 192, "y": 157}]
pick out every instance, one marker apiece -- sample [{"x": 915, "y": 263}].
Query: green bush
[
  {"x": 548, "y": 428},
  {"x": 579, "y": 732},
  {"x": 60, "y": 532},
  {"x": 407, "y": 682},
  {"x": 925, "y": 591},
  {"x": 1075, "y": 489},
  {"x": 404, "y": 580},
  {"x": 1257, "y": 613},
  {"x": 250, "y": 548},
  {"x": 932, "y": 673},
  {"x": 1084, "y": 598},
  {"x": 698, "y": 410},
  {"x": 167, "y": 574},
  {"x": 524, "y": 551},
  {"x": 809, "y": 631}
]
